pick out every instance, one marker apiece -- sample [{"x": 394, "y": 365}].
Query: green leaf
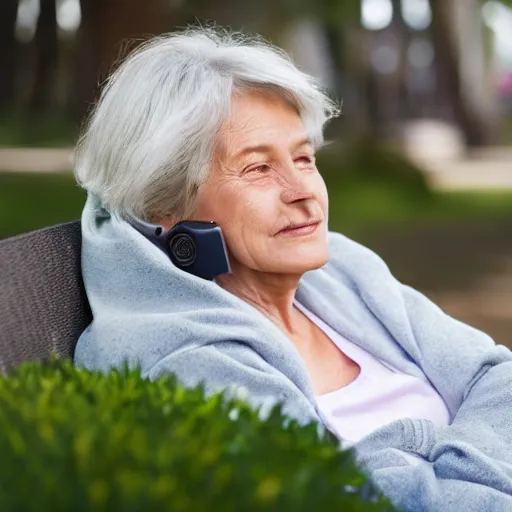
[{"x": 77, "y": 440}]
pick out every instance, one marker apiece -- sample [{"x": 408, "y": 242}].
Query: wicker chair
[{"x": 43, "y": 306}]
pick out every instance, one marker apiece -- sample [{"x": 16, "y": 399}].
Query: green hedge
[{"x": 74, "y": 440}]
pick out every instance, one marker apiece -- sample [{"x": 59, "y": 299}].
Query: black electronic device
[{"x": 196, "y": 247}]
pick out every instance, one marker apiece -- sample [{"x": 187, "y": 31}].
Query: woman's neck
[{"x": 272, "y": 294}]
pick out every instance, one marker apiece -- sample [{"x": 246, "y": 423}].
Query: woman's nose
[
  {"x": 292, "y": 195},
  {"x": 295, "y": 186}
]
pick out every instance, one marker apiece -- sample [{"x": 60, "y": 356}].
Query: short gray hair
[{"x": 148, "y": 143}]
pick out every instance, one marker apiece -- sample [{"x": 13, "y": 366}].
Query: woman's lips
[{"x": 302, "y": 230}]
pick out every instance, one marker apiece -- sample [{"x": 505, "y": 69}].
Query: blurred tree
[
  {"x": 107, "y": 23},
  {"x": 226, "y": 13},
  {"x": 46, "y": 47},
  {"x": 471, "y": 119},
  {"x": 8, "y": 51},
  {"x": 508, "y": 3},
  {"x": 402, "y": 105},
  {"x": 355, "y": 81},
  {"x": 102, "y": 41}
]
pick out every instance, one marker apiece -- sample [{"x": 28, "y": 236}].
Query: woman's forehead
[{"x": 259, "y": 123}]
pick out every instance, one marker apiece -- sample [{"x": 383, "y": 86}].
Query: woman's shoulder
[
  {"x": 352, "y": 257},
  {"x": 353, "y": 272}
]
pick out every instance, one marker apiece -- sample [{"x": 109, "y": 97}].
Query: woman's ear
[{"x": 168, "y": 222}]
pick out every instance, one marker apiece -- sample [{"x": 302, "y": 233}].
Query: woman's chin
[
  {"x": 316, "y": 263},
  {"x": 301, "y": 263}
]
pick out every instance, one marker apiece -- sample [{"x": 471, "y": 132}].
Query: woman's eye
[
  {"x": 305, "y": 160},
  {"x": 259, "y": 168}
]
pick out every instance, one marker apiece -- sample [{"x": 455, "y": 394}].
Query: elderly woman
[{"x": 200, "y": 126}]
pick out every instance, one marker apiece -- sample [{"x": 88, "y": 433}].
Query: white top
[{"x": 379, "y": 395}]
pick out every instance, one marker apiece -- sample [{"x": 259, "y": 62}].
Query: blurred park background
[{"x": 420, "y": 165}]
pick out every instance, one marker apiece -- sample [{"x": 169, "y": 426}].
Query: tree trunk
[
  {"x": 106, "y": 27},
  {"x": 8, "y": 51},
  {"x": 474, "y": 127},
  {"x": 46, "y": 47},
  {"x": 84, "y": 82},
  {"x": 401, "y": 93}
]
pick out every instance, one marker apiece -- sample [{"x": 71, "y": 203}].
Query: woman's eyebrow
[
  {"x": 258, "y": 148},
  {"x": 267, "y": 148},
  {"x": 306, "y": 141}
]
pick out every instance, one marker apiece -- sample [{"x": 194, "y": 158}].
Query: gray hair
[{"x": 148, "y": 143}]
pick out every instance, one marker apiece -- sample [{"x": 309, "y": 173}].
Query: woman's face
[{"x": 265, "y": 191}]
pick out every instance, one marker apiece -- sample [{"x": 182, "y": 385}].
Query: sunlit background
[{"x": 419, "y": 167}]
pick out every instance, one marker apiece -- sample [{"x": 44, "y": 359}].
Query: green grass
[
  {"x": 357, "y": 207},
  {"x": 32, "y": 201},
  {"x": 49, "y": 131}
]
